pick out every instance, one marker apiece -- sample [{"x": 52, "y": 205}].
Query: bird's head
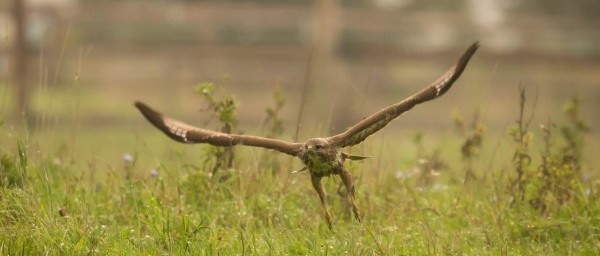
[{"x": 319, "y": 146}]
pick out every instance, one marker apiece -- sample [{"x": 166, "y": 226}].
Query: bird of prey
[{"x": 321, "y": 156}]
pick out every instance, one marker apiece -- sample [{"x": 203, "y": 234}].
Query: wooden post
[
  {"x": 327, "y": 16},
  {"x": 328, "y": 12},
  {"x": 19, "y": 62}
]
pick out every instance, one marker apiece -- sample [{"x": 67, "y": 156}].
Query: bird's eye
[{"x": 318, "y": 146}]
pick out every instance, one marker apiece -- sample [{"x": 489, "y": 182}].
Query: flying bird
[{"x": 321, "y": 156}]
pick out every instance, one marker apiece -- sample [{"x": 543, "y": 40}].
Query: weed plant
[{"x": 223, "y": 109}]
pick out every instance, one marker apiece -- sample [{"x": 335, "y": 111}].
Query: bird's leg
[
  {"x": 316, "y": 182},
  {"x": 349, "y": 182},
  {"x": 343, "y": 193}
]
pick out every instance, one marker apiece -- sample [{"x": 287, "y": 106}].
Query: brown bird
[{"x": 322, "y": 156}]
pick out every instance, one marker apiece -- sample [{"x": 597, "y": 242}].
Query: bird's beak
[{"x": 309, "y": 147}]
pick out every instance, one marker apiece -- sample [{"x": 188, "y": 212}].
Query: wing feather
[
  {"x": 186, "y": 133},
  {"x": 360, "y": 131}
]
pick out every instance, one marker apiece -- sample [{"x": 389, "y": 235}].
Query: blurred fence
[{"x": 291, "y": 29}]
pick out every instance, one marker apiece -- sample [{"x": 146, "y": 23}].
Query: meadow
[{"x": 69, "y": 187}]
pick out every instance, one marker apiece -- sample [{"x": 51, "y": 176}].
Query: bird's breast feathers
[{"x": 322, "y": 165}]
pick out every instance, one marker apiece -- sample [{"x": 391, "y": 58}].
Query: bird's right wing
[{"x": 186, "y": 133}]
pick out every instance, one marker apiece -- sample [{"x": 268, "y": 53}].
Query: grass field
[{"x": 69, "y": 187}]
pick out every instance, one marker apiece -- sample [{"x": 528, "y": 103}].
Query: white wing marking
[{"x": 174, "y": 128}]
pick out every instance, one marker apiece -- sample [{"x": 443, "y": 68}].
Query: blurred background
[{"x": 78, "y": 66}]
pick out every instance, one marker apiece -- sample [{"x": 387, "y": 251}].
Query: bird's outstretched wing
[
  {"x": 377, "y": 121},
  {"x": 186, "y": 133}
]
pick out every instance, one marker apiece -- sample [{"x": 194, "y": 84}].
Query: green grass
[{"x": 64, "y": 196}]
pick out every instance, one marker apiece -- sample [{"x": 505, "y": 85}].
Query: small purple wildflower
[
  {"x": 154, "y": 172},
  {"x": 128, "y": 158}
]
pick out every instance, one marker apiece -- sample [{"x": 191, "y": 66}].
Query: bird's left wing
[
  {"x": 377, "y": 121},
  {"x": 186, "y": 133}
]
